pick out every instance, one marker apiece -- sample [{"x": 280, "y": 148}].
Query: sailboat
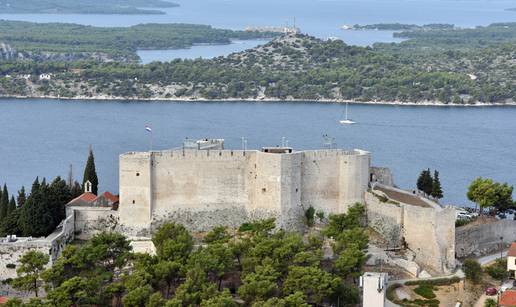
[{"x": 346, "y": 120}]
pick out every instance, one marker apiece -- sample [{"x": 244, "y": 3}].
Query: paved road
[{"x": 490, "y": 258}]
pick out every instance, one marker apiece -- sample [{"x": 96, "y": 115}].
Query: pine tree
[
  {"x": 437, "y": 191},
  {"x": 4, "y": 203},
  {"x": 90, "y": 174},
  {"x": 22, "y": 197},
  {"x": 12, "y": 206}
]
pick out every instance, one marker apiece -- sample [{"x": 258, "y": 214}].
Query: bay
[{"x": 43, "y": 137}]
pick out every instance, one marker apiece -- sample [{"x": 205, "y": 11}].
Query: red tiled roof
[
  {"x": 512, "y": 250},
  {"x": 3, "y": 300},
  {"x": 508, "y": 298},
  {"x": 84, "y": 197},
  {"x": 110, "y": 197}
]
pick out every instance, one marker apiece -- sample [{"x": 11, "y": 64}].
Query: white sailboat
[{"x": 346, "y": 120}]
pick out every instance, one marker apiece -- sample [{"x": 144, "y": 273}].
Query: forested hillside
[
  {"x": 477, "y": 67},
  {"x": 65, "y": 42}
]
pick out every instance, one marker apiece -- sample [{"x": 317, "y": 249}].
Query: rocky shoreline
[{"x": 268, "y": 99}]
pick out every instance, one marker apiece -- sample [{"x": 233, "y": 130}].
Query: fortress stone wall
[
  {"x": 422, "y": 226},
  {"x": 53, "y": 245},
  {"x": 202, "y": 189}
]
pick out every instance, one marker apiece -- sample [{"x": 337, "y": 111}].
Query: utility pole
[{"x": 70, "y": 176}]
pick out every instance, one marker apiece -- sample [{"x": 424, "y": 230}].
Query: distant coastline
[
  {"x": 265, "y": 99},
  {"x": 87, "y": 7}
]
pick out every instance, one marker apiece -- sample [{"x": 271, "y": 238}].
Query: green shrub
[
  {"x": 490, "y": 303},
  {"x": 310, "y": 216},
  {"x": 462, "y": 222},
  {"x": 473, "y": 270},
  {"x": 498, "y": 270},
  {"x": 426, "y": 291},
  {"x": 434, "y": 282}
]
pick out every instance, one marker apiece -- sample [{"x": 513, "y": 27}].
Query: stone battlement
[{"x": 227, "y": 153}]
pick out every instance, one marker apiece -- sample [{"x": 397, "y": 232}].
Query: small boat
[{"x": 346, "y": 120}]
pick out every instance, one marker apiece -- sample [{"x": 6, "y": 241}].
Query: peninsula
[{"x": 123, "y": 7}]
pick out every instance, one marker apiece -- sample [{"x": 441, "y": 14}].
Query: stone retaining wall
[{"x": 478, "y": 240}]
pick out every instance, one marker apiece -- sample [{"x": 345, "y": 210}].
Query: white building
[
  {"x": 45, "y": 77},
  {"x": 511, "y": 259},
  {"x": 374, "y": 287}
]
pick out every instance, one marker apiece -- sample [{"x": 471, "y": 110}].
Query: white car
[{"x": 463, "y": 215}]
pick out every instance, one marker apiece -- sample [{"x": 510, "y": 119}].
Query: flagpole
[{"x": 151, "y": 141}]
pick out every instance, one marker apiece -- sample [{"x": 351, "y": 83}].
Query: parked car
[{"x": 491, "y": 291}]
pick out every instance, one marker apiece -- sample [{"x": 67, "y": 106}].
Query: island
[
  {"x": 124, "y": 7},
  {"x": 398, "y": 27},
  {"x": 459, "y": 66},
  {"x": 66, "y": 42}
]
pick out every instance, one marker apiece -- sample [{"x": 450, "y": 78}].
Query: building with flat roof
[{"x": 511, "y": 259}]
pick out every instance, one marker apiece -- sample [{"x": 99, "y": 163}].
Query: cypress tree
[
  {"x": 429, "y": 181},
  {"x": 90, "y": 174},
  {"x": 437, "y": 191},
  {"x": 22, "y": 197},
  {"x": 4, "y": 203},
  {"x": 425, "y": 182},
  {"x": 59, "y": 196},
  {"x": 35, "y": 216}
]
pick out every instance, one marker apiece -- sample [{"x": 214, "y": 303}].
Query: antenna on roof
[{"x": 328, "y": 141}]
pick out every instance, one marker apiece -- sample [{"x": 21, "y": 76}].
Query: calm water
[
  {"x": 198, "y": 51},
  {"x": 42, "y": 137},
  {"x": 322, "y": 18}
]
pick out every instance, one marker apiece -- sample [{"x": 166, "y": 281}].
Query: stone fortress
[
  {"x": 203, "y": 185},
  {"x": 206, "y": 188}
]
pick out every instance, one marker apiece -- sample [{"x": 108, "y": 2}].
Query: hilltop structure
[
  {"x": 203, "y": 185},
  {"x": 202, "y": 189}
]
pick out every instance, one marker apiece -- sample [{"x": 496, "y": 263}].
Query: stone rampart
[
  {"x": 53, "y": 245},
  {"x": 424, "y": 227},
  {"x": 483, "y": 239},
  {"x": 386, "y": 218},
  {"x": 92, "y": 220}
]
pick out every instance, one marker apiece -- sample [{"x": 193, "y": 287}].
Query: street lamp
[{"x": 501, "y": 247}]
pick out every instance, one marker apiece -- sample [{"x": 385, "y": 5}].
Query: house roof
[
  {"x": 508, "y": 298},
  {"x": 110, "y": 197},
  {"x": 84, "y": 197},
  {"x": 3, "y": 300},
  {"x": 512, "y": 250}
]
